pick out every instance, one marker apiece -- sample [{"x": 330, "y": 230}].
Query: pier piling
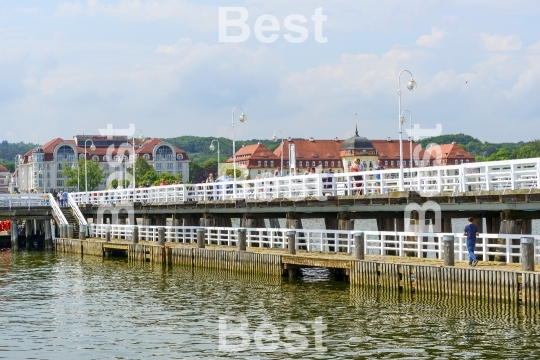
[
  {"x": 291, "y": 242},
  {"x": 359, "y": 246},
  {"x": 448, "y": 246},
  {"x": 200, "y": 238},
  {"x": 527, "y": 253},
  {"x": 242, "y": 239}
]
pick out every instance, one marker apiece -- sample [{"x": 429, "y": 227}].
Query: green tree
[
  {"x": 502, "y": 154},
  {"x": 74, "y": 175}
]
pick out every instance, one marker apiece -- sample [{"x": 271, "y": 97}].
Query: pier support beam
[
  {"x": 331, "y": 224},
  {"x": 527, "y": 253},
  {"x": 47, "y": 229},
  {"x": 14, "y": 235},
  {"x": 344, "y": 223}
]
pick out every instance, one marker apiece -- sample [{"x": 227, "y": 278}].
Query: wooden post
[
  {"x": 82, "y": 232},
  {"x": 527, "y": 253},
  {"x": 48, "y": 235},
  {"x": 242, "y": 239},
  {"x": 448, "y": 243},
  {"x": 135, "y": 235},
  {"x": 359, "y": 249},
  {"x": 108, "y": 234},
  {"x": 291, "y": 242},
  {"x": 200, "y": 238},
  {"x": 446, "y": 225},
  {"x": 161, "y": 236},
  {"x": 344, "y": 223},
  {"x": 330, "y": 224}
]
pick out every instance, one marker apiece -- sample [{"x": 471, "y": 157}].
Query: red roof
[{"x": 3, "y": 169}]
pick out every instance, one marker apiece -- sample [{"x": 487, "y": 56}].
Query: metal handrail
[
  {"x": 76, "y": 211},
  {"x": 59, "y": 215}
]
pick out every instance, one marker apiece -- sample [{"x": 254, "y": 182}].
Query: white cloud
[
  {"x": 433, "y": 39},
  {"x": 500, "y": 42},
  {"x": 180, "y": 46},
  {"x": 535, "y": 48}
]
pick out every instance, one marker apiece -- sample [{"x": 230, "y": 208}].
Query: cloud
[
  {"x": 433, "y": 39},
  {"x": 534, "y": 48},
  {"x": 501, "y": 43},
  {"x": 180, "y": 46}
]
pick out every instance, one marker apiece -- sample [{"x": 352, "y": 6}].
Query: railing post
[
  {"x": 135, "y": 235},
  {"x": 200, "y": 238},
  {"x": 527, "y": 253},
  {"x": 448, "y": 245},
  {"x": 161, "y": 236},
  {"x": 242, "y": 239},
  {"x": 108, "y": 234},
  {"x": 359, "y": 246},
  {"x": 291, "y": 242},
  {"x": 82, "y": 232}
]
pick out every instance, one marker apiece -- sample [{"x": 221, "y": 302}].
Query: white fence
[
  {"x": 337, "y": 241},
  {"x": 33, "y": 200},
  {"x": 486, "y": 176}
]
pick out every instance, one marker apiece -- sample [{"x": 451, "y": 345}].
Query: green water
[{"x": 57, "y": 306}]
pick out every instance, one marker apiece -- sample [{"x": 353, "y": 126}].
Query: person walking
[{"x": 471, "y": 231}]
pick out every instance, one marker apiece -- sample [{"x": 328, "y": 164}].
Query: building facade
[
  {"x": 41, "y": 168},
  {"x": 5, "y": 180}
]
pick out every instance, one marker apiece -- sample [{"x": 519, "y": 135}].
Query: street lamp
[
  {"x": 411, "y": 85},
  {"x": 242, "y": 118},
  {"x": 274, "y": 139},
  {"x": 212, "y": 148},
  {"x": 141, "y": 138},
  {"x": 17, "y": 157},
  {"x": 92, "y": 147},
  {"x": 76, "y": 165},
  {"x": 403, "y": 121}
]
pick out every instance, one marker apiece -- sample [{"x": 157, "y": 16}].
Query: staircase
[{"x": 72, "y": 220}]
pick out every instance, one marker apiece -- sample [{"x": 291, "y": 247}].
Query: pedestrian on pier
[{"x": 471, "y": 231}]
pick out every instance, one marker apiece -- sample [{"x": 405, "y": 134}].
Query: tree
[
  {"x": 145, "y": 172},
  {"x": 76, "y": 176},
  {"x": 502, "y": 154}
]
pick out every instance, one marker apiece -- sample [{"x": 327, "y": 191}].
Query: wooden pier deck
[{"x": 489, "y": 281}]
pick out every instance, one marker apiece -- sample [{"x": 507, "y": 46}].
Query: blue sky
[{"x": 72, "y": 67}]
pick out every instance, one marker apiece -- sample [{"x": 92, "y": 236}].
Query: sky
[{"x": 72, "y": 67}]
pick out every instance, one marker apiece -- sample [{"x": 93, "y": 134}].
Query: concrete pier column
[
  {"x": 200, "y": 238},
  {"x": 293, "y": 221},
  {"x": 135, "y": 235},
  {"x": 14, "y": 235},
  {"x": 63, "y": 231},
  {"x": 161, "y": 236},
  {"x": 330, "y": 224},
  {"x": 448, "y": 247},
  {"x": 446, "y": 225},
  {"x": 527, "y": 253},
  {"x": 70, "y": 231},
  {"x": 108, "y": 234},
  {"x": 359, "y": 246},
  {"x": 47, "y": 230},
  {"x": 274, "y": 223},
  {"x": 291, "y": 242},
  {"x": 242, "y": 233},
  {"x": 82, "y": 232}
]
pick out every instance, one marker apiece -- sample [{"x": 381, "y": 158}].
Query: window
[
  {"x": 272, "y": 163},
  {"x": 392, "y": 163},
  {"x": 265, "y": 163},
  {"x": 117, "y": 168},
  {"x": 106, "y": 168},
  {"x": 59, "y": 166},
  {"x": 124, "y": 158},
  {"x": 49, "y": 166},
  {"x": 339, "y": 163},
  {"x": 300, "y": 163},
  {"x": 179, "y": 157},
  {"x": 81, "y": 156},
  {"x": 467, "y": 160},
  {"x": 415, "y": 162},
  {"x": 427, "y": 162},
  {"x": 106, "y": 158},
  {"x": 259, "y": 163},
  {"x": 59, "y": 183},
  {"x": 313, "y": 163},
  {"x": 287, "y": 163},
  {"x": 146, "y": 157},
  {"x": 332, "y": 163},
  {"x": 422, "y": 162},
  {"x": 159, "y": 167},
  {"x": 95, "y": 158},
  {"x": 170, "y": 166},
  {"x": 326, "y": 164},
  {"x": 164, "y": 152},
  {"x": 48, "y": 176},
  {"x": 385, "y": 162},
  {"x": 462, "y": 161},
  {"x": 456, "y": 161},
  {"x": 320, "y": 163},
  {"x": 60, "y": 158}
]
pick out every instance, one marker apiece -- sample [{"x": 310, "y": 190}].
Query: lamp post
[
  {"x": 242, "y": 118},
  {"x": 76, "y": 165},
  {"x": 274, "y": 138},
  {"x": 403, "y": 121},
  {"x": 411, "y": 85},
  {"x": 92, "y": 147},
  {"x": 17, "y": 157},
  {"x": 141, "y": 138},
  {"x": 212, "y": 148}
]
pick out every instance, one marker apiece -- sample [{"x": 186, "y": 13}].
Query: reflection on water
[{"x": 62, "y": 306}]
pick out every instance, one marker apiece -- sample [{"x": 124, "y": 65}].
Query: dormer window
[{"x": 146, "y": 157}]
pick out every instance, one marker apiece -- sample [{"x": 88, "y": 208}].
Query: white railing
[
  {"x": 76, "y": 211},
  {"x": 58, "y": 214},
  {"x": 486, "y": 176},
  {"x": 413, "y": 244}
]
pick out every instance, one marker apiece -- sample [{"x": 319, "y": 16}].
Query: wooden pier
[{"x": 489, "y": 281}]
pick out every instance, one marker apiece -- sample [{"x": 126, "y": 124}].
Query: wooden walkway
[{"x": 489, "y": 281}]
